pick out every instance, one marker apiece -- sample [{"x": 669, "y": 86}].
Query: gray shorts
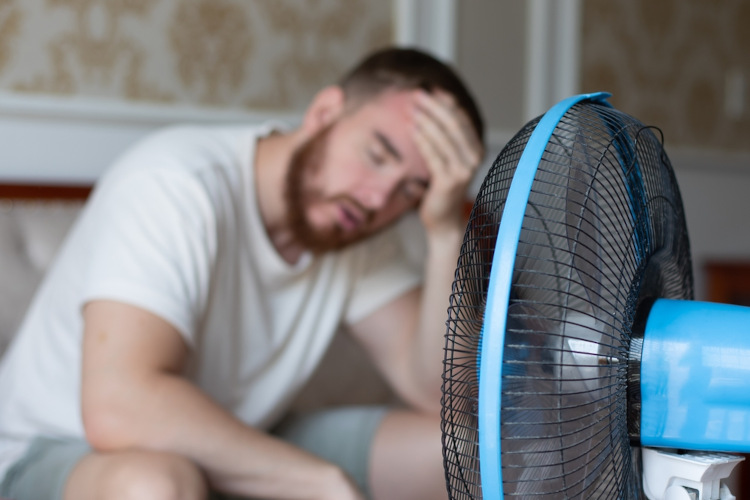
[{"x": 343, "y": 436}]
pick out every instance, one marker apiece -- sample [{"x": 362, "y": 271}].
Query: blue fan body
[{"x": 695, "y": 377}]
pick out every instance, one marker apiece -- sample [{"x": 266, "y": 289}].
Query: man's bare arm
[
  {"x": 134, "y": 397},
  {"x": 405, "y": 338}
]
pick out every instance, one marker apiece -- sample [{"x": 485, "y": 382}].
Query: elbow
[
  {"x": 430, "y": 407},
  {"x": 105, "y": 426},
  {"x": 424, "y": 398},
  {"x": 103, "y": 431}
]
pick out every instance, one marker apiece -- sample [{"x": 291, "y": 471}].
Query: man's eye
[
  {"x": 412, "y": 192},
  {"x": 376, "y": 158},
  {"x": 409, "y": 195}
]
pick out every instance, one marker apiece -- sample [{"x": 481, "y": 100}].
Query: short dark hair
[{"x": 406, "y": 69}]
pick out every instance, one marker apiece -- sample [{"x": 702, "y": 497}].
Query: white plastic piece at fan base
[
  {"x": 688, "y": 476},
  {"x": 679, "y": 492}
]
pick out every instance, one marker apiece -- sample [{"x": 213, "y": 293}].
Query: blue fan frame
[{"x": 498, "y": 296}]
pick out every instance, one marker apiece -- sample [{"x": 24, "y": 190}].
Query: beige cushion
[{"x": 30, "y": 234}]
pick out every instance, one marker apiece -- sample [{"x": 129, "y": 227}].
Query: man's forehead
[
  {"x": 391, "y": 117},
  {"x": 399, "y": 130},
  {"x": 396, "y": 99}
]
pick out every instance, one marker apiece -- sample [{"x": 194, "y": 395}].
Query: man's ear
[{"x": 325, "y": 108}]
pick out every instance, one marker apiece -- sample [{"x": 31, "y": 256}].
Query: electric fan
[{"x": 576, "y": 363}]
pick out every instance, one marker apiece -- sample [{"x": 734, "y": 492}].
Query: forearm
[
  {"x": 453, "y": 152},
  {"x": 167, "y": 413},
  {"x": 429, "y": 341}
]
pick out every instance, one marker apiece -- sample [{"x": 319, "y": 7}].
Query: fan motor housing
[{"x": 695, "y": 376}]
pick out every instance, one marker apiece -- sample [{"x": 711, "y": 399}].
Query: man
[{"x": 204, "y": 281}]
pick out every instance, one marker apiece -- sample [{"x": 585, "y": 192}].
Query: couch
[{"x": 33, "y": 222}]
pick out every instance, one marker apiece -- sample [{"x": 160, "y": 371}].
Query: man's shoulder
[
  {"x": 181, "y": 140},
  {"x": 187, "y": 150}
]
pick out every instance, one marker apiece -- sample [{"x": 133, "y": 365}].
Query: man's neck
[{"x": 272, "y": 157}]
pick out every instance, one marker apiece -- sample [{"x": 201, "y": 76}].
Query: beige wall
[
  {"x": 252, "y": 54},
  {"x": 239, "y": 54},
  {"x": 666, "y": 62},
  {"x": 669, "y": 63},
  {"x": 490, "y": 54}
]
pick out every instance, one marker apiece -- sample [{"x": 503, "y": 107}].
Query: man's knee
[
  {"x": 137, "y": 475},
  {"x": 406, "y": 459}
]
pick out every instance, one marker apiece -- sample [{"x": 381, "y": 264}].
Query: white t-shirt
[{"x": 174, "y": 228}]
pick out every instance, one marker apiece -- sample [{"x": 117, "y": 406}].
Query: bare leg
[
  {"x": 139, "y": 475},
  {"x": 406, "y": 458}
]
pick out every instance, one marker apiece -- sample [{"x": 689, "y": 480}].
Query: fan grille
[{"x": 603, "y": 234}]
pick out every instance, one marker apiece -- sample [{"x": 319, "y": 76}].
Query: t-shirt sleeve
[
  {"x": 389, "y": 269},
  {"x": 152, "y": 246}
]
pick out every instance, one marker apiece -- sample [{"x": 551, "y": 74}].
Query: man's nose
[{"x": 379, "y": 192}]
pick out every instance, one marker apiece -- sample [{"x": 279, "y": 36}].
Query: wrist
[{"x": 446, "y": 236}]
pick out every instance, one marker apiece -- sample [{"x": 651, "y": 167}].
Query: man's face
[{"x": 357, "y": 175}]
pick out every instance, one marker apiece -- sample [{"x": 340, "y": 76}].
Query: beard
[{"x": 299, "y": 195}]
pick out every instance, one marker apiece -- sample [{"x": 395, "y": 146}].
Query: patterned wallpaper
[
  {"x": 667, "y": 62},
  {"x": 259, "y": 54}
]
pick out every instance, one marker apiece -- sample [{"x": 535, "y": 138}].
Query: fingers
[
  {"x": 452, "y": 151},
  {"x": 448, "y": 129},
  {"x": 437, "y": 150}
]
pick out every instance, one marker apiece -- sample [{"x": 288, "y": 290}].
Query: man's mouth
[{"x": 350, "y": 217}]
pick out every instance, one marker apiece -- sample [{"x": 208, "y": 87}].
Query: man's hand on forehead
[
  {"x": 454, "y": 122},
  {"x": 452, "y": 151}
]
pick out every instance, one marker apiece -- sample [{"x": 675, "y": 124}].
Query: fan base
[{"x": 689, "y": 476}]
